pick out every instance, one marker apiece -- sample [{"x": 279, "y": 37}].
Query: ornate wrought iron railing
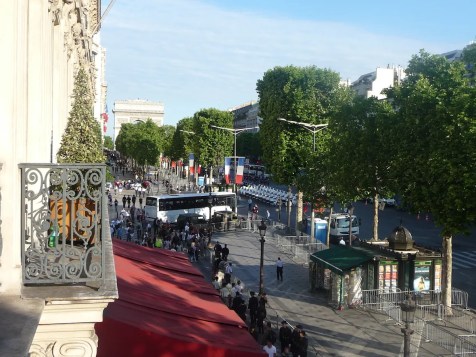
[{"x": 63, "y": 223}]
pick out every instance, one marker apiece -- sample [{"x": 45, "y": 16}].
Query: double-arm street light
[
  {"x": 313, "y": 128},
  {"x": 235, "y": 132}
]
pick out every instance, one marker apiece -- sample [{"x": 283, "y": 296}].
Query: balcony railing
[{"x": 63, "y": 223}]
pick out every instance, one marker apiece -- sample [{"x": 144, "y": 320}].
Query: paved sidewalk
[{"x": 350, "y": 332}]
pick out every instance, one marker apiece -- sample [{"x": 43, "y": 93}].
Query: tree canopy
[
  {"x": 302, "y": 94},
  {"x": 435, "y": 164},
  {"x": 212, "y": 145},
  {"x": 141, "y": 141},
  {"x": 108, "y": 143}
]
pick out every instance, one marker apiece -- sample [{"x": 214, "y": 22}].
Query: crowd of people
[
  {"x": 252, "y": 309},
  {"x": 130, "y": 224}
]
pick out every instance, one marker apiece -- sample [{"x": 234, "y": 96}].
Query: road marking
[{"x": 464, "y": 260}]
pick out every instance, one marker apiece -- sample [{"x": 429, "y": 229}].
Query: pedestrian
[
  {"x": 224, "y": 253},
  {"x": 261, "y": 315},
  {"x": 140, "y": 202},
  {"x": 128, "y": 201},
  {"x": 216, "y": 283},
  {"x": 279, "y": 269},
  {"x": 134, "y": 200},
  {"x": 295, "y": 337},
  {"x": 116, "y": 203},
  {"x": 253, "y": 307},
  {"x": 124, "y": 199},
  {"x": 270, "y": 349},
  {"x": 342, "y": 241},
  {"x": 302, "y": 344},
  {"x": 242, "y": 310},
  {"x": 270, "y": 334},
  {"x": 284, "y": 335},
  {"x": 228, "y": 272},
  {"x": 217, "y": 250}
]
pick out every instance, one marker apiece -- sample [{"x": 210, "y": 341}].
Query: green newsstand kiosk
[{"x": 389, "y": 265}]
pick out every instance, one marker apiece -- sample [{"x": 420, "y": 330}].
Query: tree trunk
[
  {"x": 447, "y": 271},
  {"x": 376, "y": 203},
  {"x": 328, "y": 235},
  {"x": 288, "y": 207},
  {"x": 299, "y": 212}
]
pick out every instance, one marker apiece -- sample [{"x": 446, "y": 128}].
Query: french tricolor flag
[
  {"x": 239, "y": 170},
  {"x": 191, "y": 163},
  {"x": 227, "y": 169}
]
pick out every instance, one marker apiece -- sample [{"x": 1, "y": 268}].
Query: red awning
[{"x": 166, "y": 308}]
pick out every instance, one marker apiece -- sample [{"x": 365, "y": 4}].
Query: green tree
[
  {"x": 212, "y": 145},
  {"x": 436, "y": 161},
  {"x": 359, "y": 157},
  {"x": 248, "y": 145},
  {"x": 182, "y": 140},
  {"x": 168, "y": 132},
  {"x": 469, "y": 58},
  {"x": 108, "y": 143},
  {"x": 81, "y": 141},
  {"x": 141, "y": 141},
  {"x": 302, "y": 94}
]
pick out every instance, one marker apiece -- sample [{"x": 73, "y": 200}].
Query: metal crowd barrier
[{"x": 459, "y": 345}]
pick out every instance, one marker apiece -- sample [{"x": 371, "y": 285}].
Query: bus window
[{"x": 151, "y": 201}]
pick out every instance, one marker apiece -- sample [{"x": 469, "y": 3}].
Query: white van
[{"x": 339, "y": 225}]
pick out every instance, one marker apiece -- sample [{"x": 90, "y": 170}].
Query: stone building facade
[
  {"x": 131, "y": 111},
  {"x": 246, "y": 116},
  {"x": 44, "y": 44}
]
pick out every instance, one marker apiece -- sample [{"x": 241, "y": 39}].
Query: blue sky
[{"x": 194, "y": 54}]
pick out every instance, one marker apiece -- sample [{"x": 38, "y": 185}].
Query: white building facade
[
  {"x": 372, "y": 84},
  {"x": 131, "y": 111}
]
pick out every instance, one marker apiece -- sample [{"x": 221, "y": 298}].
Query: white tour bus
[{"x": 169, "y": 207}]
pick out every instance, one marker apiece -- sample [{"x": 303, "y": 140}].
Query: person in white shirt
[
  {"x": 279, "y": 269},
  {"x": 270, "y": 349}
]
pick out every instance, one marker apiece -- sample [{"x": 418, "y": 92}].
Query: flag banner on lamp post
[
  {"x": 239, "y": 170},
  {"x": 191, "y": 163},
  {"x": 227, "y": 169}
]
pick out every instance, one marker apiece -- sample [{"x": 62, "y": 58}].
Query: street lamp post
[
  {"x": 195, "y": 173},
  {"x": 313, "y": 128},
  {"x": 408, "y": 316},
  {"x": 235, "y": 132},
  {"x": 262, "y": 232},
  {"x": 210, "y": 203},
  {"x": 350, "y": 211}
]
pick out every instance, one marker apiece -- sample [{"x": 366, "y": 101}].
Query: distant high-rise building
[
  {"x": 246, "y": 116},
  {"x": 131, "y": 111}
]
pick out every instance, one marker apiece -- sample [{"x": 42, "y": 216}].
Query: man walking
[
  {"x": 253, "y": 307},
  {"x": 279, "y": 269},
  {"x": 284, "y": 335}
]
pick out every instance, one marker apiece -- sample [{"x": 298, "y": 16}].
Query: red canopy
[{"x": 166, "y": 308}]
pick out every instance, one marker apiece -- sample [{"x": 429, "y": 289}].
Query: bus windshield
[{"x": 344, "y": 222}]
